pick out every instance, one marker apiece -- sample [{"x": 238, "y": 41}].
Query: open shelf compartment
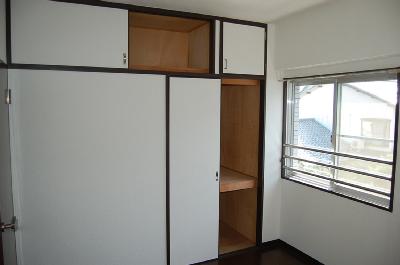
[
  {"x": 230, "y": 240},
  {"x": 168, "y": 44},
  {"x": 240, "y": 138}
]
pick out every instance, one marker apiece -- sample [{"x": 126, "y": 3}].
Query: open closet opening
[
  {"x": 165, "y": 43},
  {"x": 240, "y": 125}
]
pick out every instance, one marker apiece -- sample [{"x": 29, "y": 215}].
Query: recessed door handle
[
  {"x": 226, "y": 63},
  {"x": 11, "y": 226},
  {"x": 124, "y": 58}
]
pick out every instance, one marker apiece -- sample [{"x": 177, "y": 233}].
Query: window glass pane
[
  {"x": 366, "y": 128},
  {"x": 364, "y": 181},
  {"x": 312, "y": 116}
]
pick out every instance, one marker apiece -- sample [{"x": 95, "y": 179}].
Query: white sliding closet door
[
  {"x": 90, "y": 159},
  {"x": 194, "y": 162}
]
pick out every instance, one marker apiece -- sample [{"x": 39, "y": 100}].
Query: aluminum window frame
[{"x": 370, "y": 196}]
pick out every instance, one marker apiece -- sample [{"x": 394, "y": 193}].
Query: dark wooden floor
[{"x": 275, "y": 256}]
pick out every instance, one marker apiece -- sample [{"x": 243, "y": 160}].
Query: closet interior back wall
[{"x": 240, "y": 110}]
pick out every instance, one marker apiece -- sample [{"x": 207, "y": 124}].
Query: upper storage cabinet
[
  {"x": 243, "y": 49},
  {"x": 54, "y": 33},
  {"x": 171, "y": 44}
]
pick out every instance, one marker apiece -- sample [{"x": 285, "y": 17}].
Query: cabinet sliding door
[
  {"x": 194, "y": 169},
  {"x": 91, "y": 167}
]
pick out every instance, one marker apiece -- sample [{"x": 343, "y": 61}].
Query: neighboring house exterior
[{"x": 367, "y": 122}]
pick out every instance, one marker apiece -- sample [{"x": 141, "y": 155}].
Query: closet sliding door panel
[
  {"x": 91, "y": 159},
  {"x": 194, "y": 162}
]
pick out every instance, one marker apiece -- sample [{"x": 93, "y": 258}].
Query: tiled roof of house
[{"x": 313, "y": 134}]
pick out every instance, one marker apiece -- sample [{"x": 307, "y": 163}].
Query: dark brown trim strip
[
  {"x": 221, "y": 47},
  {"x": 8, "y": 31},
  {"x": 167, "y": 171},
  {"x": 342, "y": 73},
  {"x": 187, "y": 75},
  {"x": 261, "y": 151},
  {"x": 396, "y": 136},
  {"x": 161, "y": 11},
  {"x": 211, "y": 53},
  {"x": 298, "y": 253},
  {"x": 266, "y": 51},
  {"x": 1, "y": 247},
  {"x": 265, "y": 247},
  {"x": 106, "y": 70},
  {"x": 243, "y": 76},
  {"x": 243, "y": 22},
  {"x": 284, "y": 114}
]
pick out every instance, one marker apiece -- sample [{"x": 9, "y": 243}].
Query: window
[{"x": 340, "y": 135}]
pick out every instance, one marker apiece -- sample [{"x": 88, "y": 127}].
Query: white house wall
[{"x": 362, "y": 107}]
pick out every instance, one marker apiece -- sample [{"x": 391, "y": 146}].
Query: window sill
[{"x": 354, "y": 195}]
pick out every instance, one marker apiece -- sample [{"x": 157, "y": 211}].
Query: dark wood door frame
[{"x": 1, "y": 246}]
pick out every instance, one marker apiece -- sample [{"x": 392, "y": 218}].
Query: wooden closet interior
[
  {"x": 240, "y": 124},
  {"x": 171, "y": 44}
]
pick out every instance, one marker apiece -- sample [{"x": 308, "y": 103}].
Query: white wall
[
  {"x": 273, "y": 143},
  {"x": 338, "y": 37},
  {"x": 3, "y": 31},
  {"x": 336, "y": 230},
  {"x": 341, "y": 35}
]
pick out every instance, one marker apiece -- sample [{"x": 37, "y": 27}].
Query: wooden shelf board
[
  {"x": 232, "y": 180},
  {"x": 171, "y": 69},
  {"x": 230, "y": 240}
]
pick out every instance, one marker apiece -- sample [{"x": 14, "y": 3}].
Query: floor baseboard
[
  {"x": 278, "y": 243},
  {"x": 270, "y": 245}
]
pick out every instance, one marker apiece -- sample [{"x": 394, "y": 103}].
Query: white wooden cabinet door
[
  {"x": 90, "y": 176},
  {"x": 194, "y": 162},
  {"x": 243, "y": 49},
  {"x": 54, "y": 33}
]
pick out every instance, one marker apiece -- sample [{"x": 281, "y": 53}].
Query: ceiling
[{"x": 253, "y": 10}]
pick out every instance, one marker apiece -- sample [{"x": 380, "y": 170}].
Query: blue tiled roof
[{"x": 311, "y": 133}]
